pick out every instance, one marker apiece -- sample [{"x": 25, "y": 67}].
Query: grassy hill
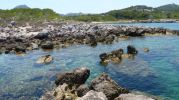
[{"x": 23, "y": 13}]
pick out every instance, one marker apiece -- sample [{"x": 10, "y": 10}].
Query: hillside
[
  {"x": 139, "y": 12},
  {"x": 169, "y": 7},
  {"x": 21, "y": 6}
]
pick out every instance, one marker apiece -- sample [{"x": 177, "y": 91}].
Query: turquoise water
[
  {"x": 173, "y": 26},
  {"x": 155, "y": 72}
]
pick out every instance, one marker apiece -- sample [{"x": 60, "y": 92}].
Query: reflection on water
[{"x": 155, "y": 72}]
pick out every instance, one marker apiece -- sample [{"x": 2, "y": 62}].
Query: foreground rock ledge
[{"x": 70, "y": 86}]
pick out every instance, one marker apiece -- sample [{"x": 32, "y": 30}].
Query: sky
[{"x": 84, "y": 6}]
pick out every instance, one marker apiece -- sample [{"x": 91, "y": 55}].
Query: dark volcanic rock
[
  {"x": 77, "y": 76},
  {"x": 131, "y": 49},
  {"x": 109, "y": 87}
]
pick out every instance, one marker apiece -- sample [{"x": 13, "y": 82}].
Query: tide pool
[{"x": 155, "y": 72}]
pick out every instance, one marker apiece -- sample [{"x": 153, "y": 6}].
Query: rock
[
  {"x": 62, "y": 92},
  {"x": 43, "y": 35},
  {"x": 77, "y": 76},
  {"x": 131, "y": 96},
  {"x": 45, "y": 59},
  {"x": 47, "y": 45},
  {"x": 131, "y": 50},
  {"x": 146, "y": 50},
  {"x": 20, "y": 49},
  {"x": 109, "y": 39},
  {"x": 117, "y": 53},
  {"x": 82, "y": 90},
  {"x": 103, "y": 56},
  {"x": 109, "y": 87},
  {"x": 34, "y": 46},
  {"x": 93, "y": 95}
]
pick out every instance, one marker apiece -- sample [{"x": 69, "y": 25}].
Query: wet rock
[
  {"x": 19, "y": 49},
  {"x": 45, "y": 59},
  {"x": 109, "y": 87},
  {"x": 82, "y": 90},
  {"x": 146, "y": 50},
  {"x": 93, "y": 95},
  {"x": 131, "y": 96},
  {"x": 117, "y": 53},
  {"x": 103, "y": 56},
  {"x": 131, "y": 50},
  {"x": 77, "y": 76},
  {"x": 47, "y": 45}
]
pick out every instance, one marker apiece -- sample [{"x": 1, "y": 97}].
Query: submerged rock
[
  {"x": 109, "y": 87},
  {"x": 93, "y": 95},
  {"x": 77, "y": 76},
  {"x": 146, "y": 50},
  {"x": 45, "y": 59}
]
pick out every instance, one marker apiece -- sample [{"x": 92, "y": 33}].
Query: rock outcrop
[
  {"x": 71, "y": 87},
  {"x": 76, "y": 77},
  {"x": 109, "y": 87},
  {"x": 59, "y": 34}
]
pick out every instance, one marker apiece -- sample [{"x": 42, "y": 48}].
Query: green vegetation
[
  {"x": 25, "y": 14},
  {"x": 30, "y": 15}
]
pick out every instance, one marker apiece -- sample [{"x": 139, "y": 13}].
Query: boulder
[
  {"x": 93, "y": 95},
  {"x": 109, "y": 87},
  {"x": 131, "y": 50},
  {"x": 131, "y": 96},
  {"x": 47, "y": 45},
  {"x": 62, "y": 92},
  {"x": 42, "y": 35},
  {"x": 45, "y": 59},
  {"x": 82, "y": 90},
  {"x": 77, "y": 76}
]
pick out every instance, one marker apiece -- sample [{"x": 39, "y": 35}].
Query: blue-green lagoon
[{"x": 154, "y": 72}]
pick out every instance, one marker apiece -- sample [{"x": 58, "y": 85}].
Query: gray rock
[
  {"x": 47, "y": 45},
  {"x": 109, "y": 87},
  {"x": 93, "y": 95},
  {"x": 82, "y": 90},
  {"x": 77, "y": 76}
]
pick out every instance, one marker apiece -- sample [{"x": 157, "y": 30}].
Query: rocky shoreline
[
  {"x": 71, "y": 86},
  {"x": 19, "y": 39}
]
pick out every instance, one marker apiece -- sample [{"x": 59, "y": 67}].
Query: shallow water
[
  {"x": 173, "y": 26},
  {"x": 155, "y": 72}
]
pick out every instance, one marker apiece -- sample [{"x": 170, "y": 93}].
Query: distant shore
[{"x": 140, "y": 21}]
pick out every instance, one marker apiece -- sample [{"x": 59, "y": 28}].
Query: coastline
[{"x": 61, "y": 35}]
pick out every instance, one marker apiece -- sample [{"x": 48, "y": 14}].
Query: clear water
[
  {"x": 173, "y": 26},
  {"x": 155, "y": 72}
]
